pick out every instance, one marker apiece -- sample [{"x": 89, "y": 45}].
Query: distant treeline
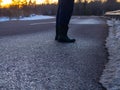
[
  {"x": 95, "y": 8},
  {"x": 80, "y": 8}
]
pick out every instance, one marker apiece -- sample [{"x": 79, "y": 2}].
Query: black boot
[
  {"x": 62, "y": 35},
  {"x": 65, "y": 40}
]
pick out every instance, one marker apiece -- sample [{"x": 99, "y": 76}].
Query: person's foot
[{"x": 65, "y": 40}]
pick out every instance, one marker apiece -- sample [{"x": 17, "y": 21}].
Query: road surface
[{"x": 30, "y": 59}]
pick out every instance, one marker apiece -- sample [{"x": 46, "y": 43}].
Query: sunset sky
[{"x": 8, "y": 2}]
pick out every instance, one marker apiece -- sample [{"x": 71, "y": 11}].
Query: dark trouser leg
[
  {"x": 64, "y": 13},
  {"x": 57, "y": 18}
]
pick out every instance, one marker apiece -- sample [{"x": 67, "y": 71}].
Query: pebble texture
[
  {"x": 36, "y": 62},
  {"x": 111, "y": 75}
]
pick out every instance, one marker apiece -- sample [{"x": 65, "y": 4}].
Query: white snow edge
[
  {"x": 111, "y": 74},
  {"x": 31, "y": 17}
]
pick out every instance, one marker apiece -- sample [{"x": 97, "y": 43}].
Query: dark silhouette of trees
[
  {"x": 0, "y": 8},
  {"x": 95, "y": 8},
  {"x": 111, "y": 5},
  {"x": 25, "y": 8},
  {"x": 92, "y": 8}
]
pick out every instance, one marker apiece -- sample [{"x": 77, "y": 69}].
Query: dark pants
[{"x": 64, "y": 13}]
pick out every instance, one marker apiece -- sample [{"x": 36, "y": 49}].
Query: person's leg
[
  {"x": 65, "y": 10},
  {"x": 57, "y": 20},
  {"x": 64, "y": 13}
]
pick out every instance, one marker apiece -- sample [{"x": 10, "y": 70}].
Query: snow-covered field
[
  {"x": 111, "y": 75},
  {"x": 31, "y": 17}
]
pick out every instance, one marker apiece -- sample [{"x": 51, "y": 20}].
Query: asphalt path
[{"x": 30, "y": 58}]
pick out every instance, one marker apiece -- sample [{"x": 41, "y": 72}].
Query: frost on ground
[
  {"x": 18, "y": 63},
  {"x": 111, "y": 75}
]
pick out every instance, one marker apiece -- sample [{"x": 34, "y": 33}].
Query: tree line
[{"x": 80, "y": 8}]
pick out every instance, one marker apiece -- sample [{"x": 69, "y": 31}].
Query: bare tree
[{"x": 85, "y": 7}]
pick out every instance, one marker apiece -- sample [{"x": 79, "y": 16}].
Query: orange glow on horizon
[{"x": 6, "y": 3}]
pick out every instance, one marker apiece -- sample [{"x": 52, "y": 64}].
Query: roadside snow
[
  {"x": 31, "y": 17},
  {"x": 2, "y": 19},
  {"x": 111, "y": 75},
  {"x": 37, "y": 17},
  {"x": 117, "y": 12}
]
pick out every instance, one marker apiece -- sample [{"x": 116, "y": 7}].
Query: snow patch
[
  {"x": 2, "y": 19},
  {"x": 111, "y": 75},
  {"x": 37, "y": 17},
  {"x": 31, "y": 17}
]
